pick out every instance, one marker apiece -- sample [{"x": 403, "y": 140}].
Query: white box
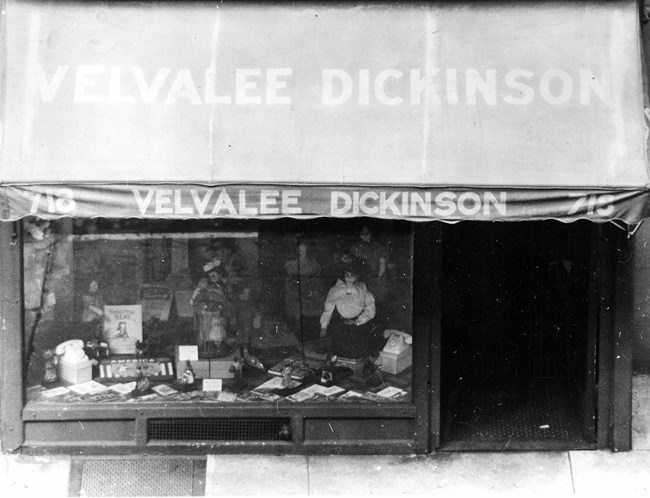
[
  {"x": 396, "y": 363},
  {"x": 75, "y": 373}
]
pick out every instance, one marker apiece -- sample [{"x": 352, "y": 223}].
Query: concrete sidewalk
[{"x": 581, "y": 473}]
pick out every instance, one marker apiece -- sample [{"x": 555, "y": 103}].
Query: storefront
[{"x": 314, "y": 229}]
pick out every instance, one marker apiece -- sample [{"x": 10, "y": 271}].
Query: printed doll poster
[{"x": 122, "y": 327}]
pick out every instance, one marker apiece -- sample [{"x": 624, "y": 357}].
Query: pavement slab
[
  {"x": 237, "y": 475},
  {"x": 25, "y": 476},
  {"x": 547, "y": 473},
  {"x": 603, "y": 473}
]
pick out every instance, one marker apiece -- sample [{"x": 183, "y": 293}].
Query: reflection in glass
[{"x": 281, "y": 311}]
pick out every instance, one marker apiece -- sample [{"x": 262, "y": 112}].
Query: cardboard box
[
  {"x": 201, "y": 368},
  {"x": 125, "y": 368},
  {"x": 77, "y": 372},
  {"x": 396, "y": 363},
  {"x": 220, "y": 368},
  {"x": 356, "y": 364},
  {"x": 217, "y": 368}
]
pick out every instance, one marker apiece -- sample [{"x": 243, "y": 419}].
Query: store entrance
[{"x": 518, "y": 347}]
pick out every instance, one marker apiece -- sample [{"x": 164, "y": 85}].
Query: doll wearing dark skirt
[{"x": 347, "y": 320}]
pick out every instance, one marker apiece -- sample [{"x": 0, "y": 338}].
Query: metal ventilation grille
[
  {"x": 139, "y": 477},
  {"x": 201, "y": 429}
]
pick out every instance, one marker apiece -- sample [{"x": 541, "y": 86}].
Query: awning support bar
[{"x": 630, "y": 229}]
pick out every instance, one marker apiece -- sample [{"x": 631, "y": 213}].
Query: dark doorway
[{"x": 517, "y": 342}]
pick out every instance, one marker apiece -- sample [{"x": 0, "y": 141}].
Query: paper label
[
  {"x": 188, "y": 353},
  {"x": 212, "y": 384}
]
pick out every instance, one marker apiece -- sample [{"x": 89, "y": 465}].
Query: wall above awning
[{"x": 467, "y": 110}]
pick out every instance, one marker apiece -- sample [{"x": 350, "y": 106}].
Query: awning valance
[
  {"x": 454, "y": 111},
  {"x": 185, "y": 201}
]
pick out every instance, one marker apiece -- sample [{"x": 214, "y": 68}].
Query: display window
[{"x": 219, "y": 311}]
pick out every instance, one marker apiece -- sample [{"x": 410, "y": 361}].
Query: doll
[
  {"x": 139, "y": 349},
  {"x": 242, "y": 318},
  {"x": 187, "y": 377},
  {"x": 236, "y": 368},
  {"x": 96, "y": 350},
  {"x": 93, "y": 303},
  {"x": 217, "y": 331},
  {"x": 327, "y": 372},
  {"x": 121, "y": 371},
  {"x": 210, "y": 293},
  {"x": 142, "y": 383},
  {"x": 51, "y": 361},
  {"x": 214, "y": 344},
  {"x": 287, "y": 369},
  {"x": 92, "y": 316},
  {"x": 209, "y": 300}
]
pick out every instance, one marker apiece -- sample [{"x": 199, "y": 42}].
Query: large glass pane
[{"x": 218, "y": 311}]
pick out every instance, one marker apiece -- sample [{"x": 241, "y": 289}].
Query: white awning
[{"x": 451, "y": 111}]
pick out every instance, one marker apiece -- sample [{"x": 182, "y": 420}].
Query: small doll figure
[
  {"x": 142, "y": 383},
  {"x": 217, "y": 332},
  {"x": 121, "y": 372},
  {"x": 287, "y": 369},
  {"x": 327, "y": 372},
  {"x": 139, "y": 349},
  {"x": 236, "y": 368},
  {"x": 93, "y": 356},
  {"x": 187, "y": 378},
  {"x": 51, "y": 360},
  {"x": 242, "y": 318},
  {"x": 210, "y": 293},
  {"x": 95, "y": 350},
  {"x": 93, "y": 310},
  {"x": 209, "y": 300}
]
